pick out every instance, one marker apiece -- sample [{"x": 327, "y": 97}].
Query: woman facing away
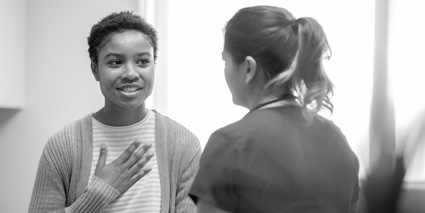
[
  {"x": 281, "y": 156},
  {"x": 124, "y": 157}
]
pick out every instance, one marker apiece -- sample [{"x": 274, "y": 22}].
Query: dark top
[{"x": 274, "y": 160}]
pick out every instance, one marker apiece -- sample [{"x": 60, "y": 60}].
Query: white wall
[
  {"x": 59, "y": 87},
  {"x": 12, "y": 53}
]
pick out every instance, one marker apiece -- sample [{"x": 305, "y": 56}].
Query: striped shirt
[{"x": 145, "y": 195}]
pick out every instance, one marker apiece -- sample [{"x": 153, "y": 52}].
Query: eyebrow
[{"x": 119, "y": 55}]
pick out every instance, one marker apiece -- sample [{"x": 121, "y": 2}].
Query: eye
[
  {"x": 143, "y": 62},
  {"x": 114, "y": 63}
]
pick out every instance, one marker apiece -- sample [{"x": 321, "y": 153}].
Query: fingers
[
  {"x": 139, "y": 175},
  {"x": 136, "y": 164},
  {"x": 102, "y": 157},
  {"x": 127, "y": 169},
  {"x": 141, "y": 163},
  {"x": 137, "y": 156},
  {"x": 127, "y": 153}
]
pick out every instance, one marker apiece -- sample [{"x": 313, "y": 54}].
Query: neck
[
  {"x": 120, "y": 117},
  {"x": 261, "y": 100}
]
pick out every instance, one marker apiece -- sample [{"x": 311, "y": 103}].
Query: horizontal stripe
[{"x": 145, "y": 195}]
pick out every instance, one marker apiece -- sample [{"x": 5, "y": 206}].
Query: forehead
[{"x": 129, "y": 40}]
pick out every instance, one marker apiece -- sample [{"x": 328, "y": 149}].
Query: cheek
[
  {"x": 152, "y": 75},
  {"x": 227, "y": 75},
  {"x": 231, "y": 77},
  {"x": 148, "y": 76},
  {"x": 107, "y": 74},
  {"x": 106, "y": 81}
]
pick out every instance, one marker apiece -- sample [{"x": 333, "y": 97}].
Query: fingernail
[
  {"x": 148, "y": 156},
  {"x": 102, "y": 146}
]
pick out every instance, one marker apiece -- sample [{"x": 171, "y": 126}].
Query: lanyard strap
[{"x": 283, "y": 97}]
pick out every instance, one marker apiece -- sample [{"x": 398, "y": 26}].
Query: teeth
[{"x": 129, "y": 89}]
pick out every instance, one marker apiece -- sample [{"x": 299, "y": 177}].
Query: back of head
[
  {"x": 289, "y": 50},
  {"x": 118, "y": 22}
]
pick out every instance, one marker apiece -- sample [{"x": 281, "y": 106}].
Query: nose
[{"x": 129, "y": 72}]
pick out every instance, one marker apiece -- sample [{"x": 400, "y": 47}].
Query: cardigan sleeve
[
  {"x": 52, "y": 183},
  {"x": 184, "y": 204},
  {"x": 190, "y": 153},
  {"x": 96, "y": 197}
]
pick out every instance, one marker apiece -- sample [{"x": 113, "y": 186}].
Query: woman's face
[
  {"x": 235, "y": 79},
  {"x": 125, "y": 70}
]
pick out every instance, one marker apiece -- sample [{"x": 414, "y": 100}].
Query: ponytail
[{"x": 313, "y": 86}]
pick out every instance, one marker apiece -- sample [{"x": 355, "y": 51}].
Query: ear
[
  {"x": 94, "y": 71},
  {"x": 250, "y": 69}
]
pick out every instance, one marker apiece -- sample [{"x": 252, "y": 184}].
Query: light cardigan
[{"x": 62, "y": 181}]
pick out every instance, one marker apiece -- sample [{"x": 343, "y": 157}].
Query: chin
[
  {"x": 239, "y": 103},
  {"x": 132, "y": 105}
]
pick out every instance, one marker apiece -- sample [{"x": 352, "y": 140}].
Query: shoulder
[
  {"x": 242, "y": 132},
  {"x": 169, "y": 122},
  {"x": 334, "y": 133},
  {"x": 176, "y": 133},
  {"x": 64, "y": 140},
  {"x": 225, "y": 142},
  {"x": 165, "y": 122},
  {"x": 329, "y": 127}
]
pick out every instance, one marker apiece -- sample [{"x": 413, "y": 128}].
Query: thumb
[{"x": 102, "y": 157}]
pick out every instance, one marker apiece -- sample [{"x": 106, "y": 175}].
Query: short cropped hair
[{"x": 118, "y": 22}]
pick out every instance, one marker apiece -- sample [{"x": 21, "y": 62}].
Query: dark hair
[
  {"x": 289, "y": 50},
  {"x": 119, "y": 22}
]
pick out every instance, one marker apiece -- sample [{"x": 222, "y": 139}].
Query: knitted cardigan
[{"x": 62, "y": 181}]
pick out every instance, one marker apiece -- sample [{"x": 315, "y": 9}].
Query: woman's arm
[
  {"x": 213, "y": 185},
  {"x": 51, "y": 188}
]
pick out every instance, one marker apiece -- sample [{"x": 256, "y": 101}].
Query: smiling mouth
[{"x": 130, "y": 89}]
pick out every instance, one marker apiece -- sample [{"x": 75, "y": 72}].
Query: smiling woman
[
  {"x": 125, "y": 72},
  {"x": 124, "y": 157}
]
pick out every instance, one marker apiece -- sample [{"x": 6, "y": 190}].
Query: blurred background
[{"x": 46, "y": 81}]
